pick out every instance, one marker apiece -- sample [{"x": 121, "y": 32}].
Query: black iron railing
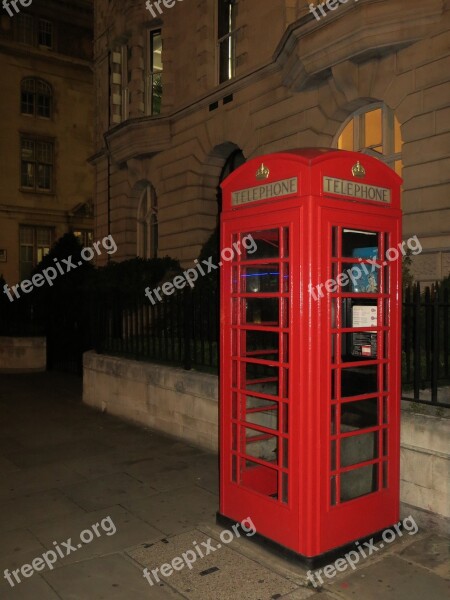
[
  {"x": 182, "y": 329},
  {"x": 426, "y": 345}
]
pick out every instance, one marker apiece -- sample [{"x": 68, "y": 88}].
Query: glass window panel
[
  {"x": 45, "y": 33},
  {"x": 373, "y": 128},
  {"x": 397, "y": 136},
  {"x": 262, "y": 311},
  {"x": 261, "y": 279},
  {"x": 361, "y": 278},
  {"x": 360, "y": 243},
  {"x": 359, "y": 482},
  {"x": 262, "y": 344},
  {"x": 346, "y": 139},
  {"x": 359, "y": 415},
  {"x": 27, "y": 149},
  {"x": 262, "y": 379},
  {"x": 27, "y": 103},
  {"x": 44, "y": 236},
  {"x": 262, "y": 412},
  {"x": 261, "y": 445},
  {"x": 362, "y": 345},
  {"x": 266, "y": 244},
  {"x": 27, "y": 235},
  {"x": 27, "y": 177},
  {"x": 356, "y": 381},
  {"x": 398, "y": 167},
  {"x": 44, "y": 177}
]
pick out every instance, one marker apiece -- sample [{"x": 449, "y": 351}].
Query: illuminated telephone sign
[{"x": 310, "y": 349}]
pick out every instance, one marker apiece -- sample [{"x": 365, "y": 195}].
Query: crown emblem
[
  {"x": 358, "y": 170},
  {"x": 263, "y": 172}
]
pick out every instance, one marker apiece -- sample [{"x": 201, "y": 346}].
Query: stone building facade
[
  {"x": 46, "y": 104},
  {"x": 185, "y": 88}
]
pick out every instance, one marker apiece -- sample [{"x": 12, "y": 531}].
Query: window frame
[
  {"x": 231, "y": 36},
  {"x": 147, "y": 223},
  {"x": 150, "y": 73},
  {"x": 36, "y": 247},
  {"x": 389, "y": 155},
  {"x": 41, "y": 21},
  {"x": 36, "y": 81},
  {"x": 36, "y": 162}
]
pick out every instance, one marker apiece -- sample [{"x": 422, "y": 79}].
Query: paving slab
[
  {"x": 393, "y": 579},
  {"x": 37, "y": 479},
  {"x": 130, "y": 531},
  {"x": 36, "y": 508},
  {"x": 107, "y": 491},
  {"x": 431, "y": 552},
  {"x": 16, "y": 545},
  {"x": 54, "y": 453},
  {"x": 112, "y": 577},
  {"x": 219, "y": 575},
  {"x": 35, "y": 588},
  {"x": 176, "y": 511}
]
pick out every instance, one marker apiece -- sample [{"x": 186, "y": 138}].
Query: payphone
[{"x": 310, "y": 349}]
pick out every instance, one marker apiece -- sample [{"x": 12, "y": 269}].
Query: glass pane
[
  {"x": 43, "y": 106},
  {"x": 360, "y": 244},
  {"x": 27, "y": 103},
  {"x": 373, "y": 128},
  {"x": 359, "y": 482},
  {"x": 398, "y": 136},
  {"x": 345, "y": 141},
  {"x": 359, "y": 278},
  {"x": 361, "y": 345},
  {"x": 44, "y": 236},
  {"x": 45, "y": 33},
  {"x": 44, "y": 177},
  {"x": 27, "y": 175},
  {"x": 359, "y": 415},
  {"x": 398, "y": 167},
  {"x": 266, "y": 244},
  {"x": 261, "y": 445},
  {"x": 262, "y": 344},
  {"x": 262, "y": 311},
  {"x": 356, "y": 381},
  {"x": 262, "y": 412},
  {"x": 27, "y": 148},
  {"x": 262, "y": 379},
  {"x": 358, "y": 448},
  {"x": 261, "y": 279}
]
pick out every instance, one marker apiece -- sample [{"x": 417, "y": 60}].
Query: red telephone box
[{"x": 310, "y": 348}]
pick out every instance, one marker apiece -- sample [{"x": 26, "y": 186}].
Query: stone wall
[
  {"x": 185, "y": 404},
  {"x": 23, "y": 354}
]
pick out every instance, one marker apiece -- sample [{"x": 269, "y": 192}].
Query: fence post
[
  {"x": 435, "y": 345},
  {"x": 417, "y": 342},
  {"x": 187, "y": 323}
]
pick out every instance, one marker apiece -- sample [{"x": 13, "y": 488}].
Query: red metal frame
[{"x": 286, "y": 442}]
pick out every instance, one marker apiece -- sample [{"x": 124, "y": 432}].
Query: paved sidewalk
[{"x": 65, "y": 468}]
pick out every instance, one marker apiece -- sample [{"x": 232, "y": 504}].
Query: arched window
[
  {"x": 234, "y": 160},
  {"x": 36, "y": 98},
  {"x": 147, "y": 222},
  {"x": 374, "y": 130}
]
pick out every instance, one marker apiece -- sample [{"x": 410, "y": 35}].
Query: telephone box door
[{"x": 257, "y": 470}]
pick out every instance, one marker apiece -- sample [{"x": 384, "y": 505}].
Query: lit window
[
  {"x": 374, "y": 130},
  {"x": 85, "y": 237},
  {"x": 36, "y": 98},
  {"x": 35, "y": 243},
  {"x": 36, "y": 164},
  {"x": 226, "y": 39},
  {"x": 154, "y": 87},
  {"x": 148, "y": 224}
]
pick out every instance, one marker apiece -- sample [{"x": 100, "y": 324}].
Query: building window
[
  {"x": 148, "y": 224},
  {"x": 45, "y": 33},
  {"x": 85, "y": 237},
  {"x": 36, "y": 164},
  {"x": 154, "y": 86},
  {"x": 374, "y": 130},
  {"x": 226, "y": 31},
  {"x": 35, "y": 243},
  {"x": 25, "y": 31},
  {"x": 125, "y": 78},
  {"x": 36, "y": 98}
]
